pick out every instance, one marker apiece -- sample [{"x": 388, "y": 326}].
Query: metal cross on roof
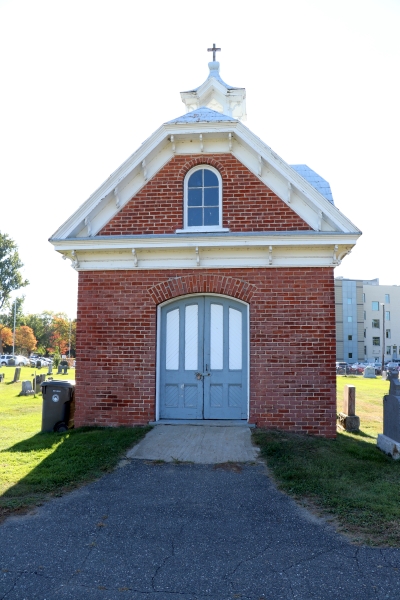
[{"x": 213, "y": 50}]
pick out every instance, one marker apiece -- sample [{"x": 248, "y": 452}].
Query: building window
[
  {"x": 348, "y": 300},
  {"x": 349, "y": 319},
  {"x": 388, "y": 334},
  {"x": 365, "y": 333},
  {"x": 350, "y": 337},
  {"x": 350, "y": 355},
  {"x": 394, "y": 349},
  {"x": 387, "y": 315},
  {"x": 387, "y": 298},
  {"x": 203, "y": 199},
  {"x": 363, "y": 297},
  {"x": 375, "y": 323},
  {"x": 376, "y": 341},
  {"x": 365, "y": 350},
  {"x": 388, "y": 350},
  {"x": 375, "y": 305},
  {"x": 365, "y": 315}
]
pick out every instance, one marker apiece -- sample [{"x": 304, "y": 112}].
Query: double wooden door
[{"x": 203, "y": 370}]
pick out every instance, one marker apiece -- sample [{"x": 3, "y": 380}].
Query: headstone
[
  {"x": 26, "y": 389},
  {"x": 389, "y": 441},
  {"x": 50, "y": 370},
  {"x": 36, "y": 383},
  {"x": 369, "y": 372},
  {"x": 1, "y": 377},
  {"x": 348, "y": 419},
  {"x": 17, "y": 374}
]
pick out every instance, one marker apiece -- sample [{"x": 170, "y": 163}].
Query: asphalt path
[{"x": 152, "y": 530}]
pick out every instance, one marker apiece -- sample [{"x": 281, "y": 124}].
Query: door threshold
[{"x": 205, "y": 422}]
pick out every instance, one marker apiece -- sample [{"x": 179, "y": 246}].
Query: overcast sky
[{"x": 84, "y": 83}]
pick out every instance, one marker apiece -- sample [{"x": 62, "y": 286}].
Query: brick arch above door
[{"x": 202, "y": 284}]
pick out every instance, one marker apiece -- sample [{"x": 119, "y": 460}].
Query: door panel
[
  {"x": 181, "y": 357},
  {"x": 203, "y": 359}
]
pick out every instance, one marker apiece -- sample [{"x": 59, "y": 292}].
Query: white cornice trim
[{"x": 212, "y": 251}]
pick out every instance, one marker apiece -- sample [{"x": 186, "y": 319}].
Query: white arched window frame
[{"x": 201, "y": 228}]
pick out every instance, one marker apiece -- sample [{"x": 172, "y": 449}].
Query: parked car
[
  {"x": 7, "y": 359},
  {"x": 22, "y": 361}
]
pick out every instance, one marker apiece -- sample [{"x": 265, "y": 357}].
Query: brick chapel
[{"x": 206, "y": 286}]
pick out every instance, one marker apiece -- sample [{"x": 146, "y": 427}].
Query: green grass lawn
[
  {"x": 348, "y": 479},
  {"x": 35, "y": 465}
]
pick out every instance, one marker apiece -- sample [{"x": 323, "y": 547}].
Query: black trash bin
[{"x": 58, "y": 405}]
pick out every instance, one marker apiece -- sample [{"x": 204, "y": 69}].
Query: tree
[
  {"x": 10, "y": 264},
  {"x": 6, "y": 337},
  {"x": 25, "y": 339}
]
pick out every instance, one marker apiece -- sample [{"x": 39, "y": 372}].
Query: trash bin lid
[{"x": 59, "y": 383}]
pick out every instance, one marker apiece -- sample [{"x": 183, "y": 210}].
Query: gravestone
[
  {"x": 369, "y": 372},
  {"x": 348, "y": 419},
  {"x": 26, "y": 389},
  {"x": 17, "y": 374},
  {"x": 389, "y": 441},
  {"x": 1, "y": 377},
  {"x": 50, "y": 370},
  {"x": 37, "y": 381}
]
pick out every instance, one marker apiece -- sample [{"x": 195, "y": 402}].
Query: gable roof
[{"x": 204, "y": 131}]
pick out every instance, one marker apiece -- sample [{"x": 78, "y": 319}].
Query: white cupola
[{"x": 215, "y": 94}]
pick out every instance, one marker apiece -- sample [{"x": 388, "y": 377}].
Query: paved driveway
[{"x": 154, "y": 530}]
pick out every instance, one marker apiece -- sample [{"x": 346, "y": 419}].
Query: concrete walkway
[
  {"x": 207, "y": 444},
  {"x": 155, "y": 530}
]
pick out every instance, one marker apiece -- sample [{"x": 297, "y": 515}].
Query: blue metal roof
[
  {"x": 318, "y": 182},
  {"x": 202, "y": 115}
]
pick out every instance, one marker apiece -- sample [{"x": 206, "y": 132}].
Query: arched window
[{"x": 203, "y": 199}]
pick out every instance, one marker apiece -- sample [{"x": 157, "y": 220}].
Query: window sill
[{"x": 202, "y": 230}]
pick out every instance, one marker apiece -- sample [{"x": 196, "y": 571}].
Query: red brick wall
[
  {"x": 292, "y": 343},
  {"x": 248, "y": 205}
]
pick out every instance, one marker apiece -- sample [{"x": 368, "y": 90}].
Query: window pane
[
  {"x": 235, "y": 339},
  {"x": 211, "y": 216},
  {"x": 348, "y": 300},
  {"x": 210, "y": 178},
  {"x": 210, "y": 196},
  {"x": 349, "y": 319},
  {"x": 375, "y": 305},
  {"x": 387, "y": 315},
  {"x": 376, "y": 323},
  {"x": 194, "y": 197},
  {"x": 387, "y": 298},
  {"x": 172, "y": 342},
  {"x": 217, "y": 336},
  {"x": 196, "y": 179},
  {"x": 191, "y": 337},
  {"x": 195, "y": 216},
  {"x": 376, "y": 341}
]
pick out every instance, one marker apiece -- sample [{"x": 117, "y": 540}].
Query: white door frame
[{"x": 158, "y": 342}]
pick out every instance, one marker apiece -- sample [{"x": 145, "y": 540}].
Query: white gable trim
[{"x": 203, "y": 138}]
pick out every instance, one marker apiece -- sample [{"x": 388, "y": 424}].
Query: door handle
[{"x": 198, "y": 376}]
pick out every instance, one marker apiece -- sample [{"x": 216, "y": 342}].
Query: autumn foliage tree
[
  {"x": 25, "y": 340},
  {"x": 6, "y": 337}
]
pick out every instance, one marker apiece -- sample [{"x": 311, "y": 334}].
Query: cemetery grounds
[
  {"x": 35, "y": 466},
  {"x": 347, "y": 481}
]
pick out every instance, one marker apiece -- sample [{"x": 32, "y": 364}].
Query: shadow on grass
[{"x": 63, "y": 461}]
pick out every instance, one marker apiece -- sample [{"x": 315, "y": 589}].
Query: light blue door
[{"x": 203, "y": 372}]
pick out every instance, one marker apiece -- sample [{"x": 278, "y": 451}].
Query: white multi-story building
[{"x": 367, "y": 321}]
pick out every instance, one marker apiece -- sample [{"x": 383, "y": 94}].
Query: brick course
[
  {"x": 292, "y": 343},
  {"x": 248, "y": 205}
]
